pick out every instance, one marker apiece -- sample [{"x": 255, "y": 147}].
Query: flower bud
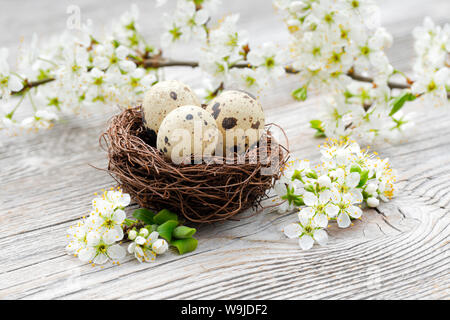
[
  {"x": 132, "y": 234},
  {"x": 140, "y": 240},
  {"x": 143, "y": 232},
  {"x": 373, "y": 202},
  {"x": 160, "y": 246},
  {"x": 371, "y": 188},
  {"x": 324, "y": 181}
]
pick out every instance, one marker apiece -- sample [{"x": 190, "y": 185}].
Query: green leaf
[
  {"x": 364, "y": 176},
  {"x": 165, "y": 215},
  {"x": 299, "y": 201},
  {"x": 183, "y": 232},
  {"x": 300, "y": 94},
  {"x": 355, "y": 168},
  {"x": 309, "y": 188},
  {"x": 317, "y": 124},
  {"x": 297, "y": 175},
  {"x": 399, "y": 101},
  {"x": 129, "y": 222},
  {"x": 166, "y": 229},
  {"x": 312, "y": 174},
  {"x": 185, "y": 245},
  {"x": 152, "y": 227},
  {"x": 319, "y": 134},
  {"x": 144, "y": 215}
]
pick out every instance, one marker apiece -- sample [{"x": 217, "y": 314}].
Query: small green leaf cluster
[{"x": 166, "y": 223}]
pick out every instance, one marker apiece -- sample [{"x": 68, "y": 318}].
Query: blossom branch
[{"x": 158, "y": 62}]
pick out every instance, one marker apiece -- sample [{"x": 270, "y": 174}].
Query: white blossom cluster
[
  {"x": 337, "y": 48},
  {"x": 332, "y": 40},
  {"x": 97, "y": 238},
  {"x": 75, "y": 72},
  {"x": 225, "y": 54},
  {"x": 335, "y": 190},
  {"x": 432, "y": 66}
]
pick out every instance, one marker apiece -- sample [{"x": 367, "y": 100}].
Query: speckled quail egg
[
  {"x": 162, "y": 98},
  {"x": 234, "y": 110},
  {"x": 185, "y": 131}
]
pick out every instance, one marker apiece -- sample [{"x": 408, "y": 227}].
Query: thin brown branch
[
  {"x": 158, "y": 62},
  {"x": 31, "y": 84}
]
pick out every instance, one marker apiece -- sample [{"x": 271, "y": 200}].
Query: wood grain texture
[{"x": 46, "y": 183}]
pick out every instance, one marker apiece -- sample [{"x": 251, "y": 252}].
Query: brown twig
[
  {"x": 158, "y": 62},
  {"x": 31, "y": 84}
]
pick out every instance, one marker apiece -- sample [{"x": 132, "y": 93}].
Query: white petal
[
  {"x": 254, "y": 58},
  {"x": 325, "y": 196},
  {"x": 125, "y": 200},
  {"x": 109, "y": 237},
  {"x": 201, "y": 16},
  {"x": 310, "y": 199},
  {"x": 343, "y": 220},
  {"x": 280, "y": 188},
  {"x": 139, "y": 251},
  {"x": 149, "y": 255},
  {"x": 93, "y": 239},
  {"x": 119, "y": 216},
  {"x": 306, "y": 242},
  {"x": 131, "y": 247},
  {"x": 14, "y": 84},
  {"x": 153, "y": 236},
  {"x": 321, "y": 236},
  {"x": 293, "y": 230},
  {"x": 332, "y": 210},
  {"x": 121, "y": 52},
  {"x": 86, "y": 254},
  {"x": 127, "y": 66},
  {"x": 321, "y": 220},
  {"x": 305, "y": 215},
  {"x": 354, "y": 212},
  {"x": 100, "y": 259},
  {"x": 119, "y": 233},
  {"x": 324, "y": 181},
  {"x": 357, "y": 196},
  {"x": 116, "y": 252},
  {"x": 352, "y": 179}
]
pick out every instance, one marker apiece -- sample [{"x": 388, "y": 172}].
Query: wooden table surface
[{"x": 47, "y": 183}]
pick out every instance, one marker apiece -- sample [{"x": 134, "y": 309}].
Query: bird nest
[{"x": 202, "y": 192}]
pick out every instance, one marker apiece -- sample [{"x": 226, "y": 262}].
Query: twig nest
[
  {"x": 240, "y": 119},
  {"x": 186, "y": 131},
  {"x": 161, "y": 99},
  {"x": 202, "y": 192}
]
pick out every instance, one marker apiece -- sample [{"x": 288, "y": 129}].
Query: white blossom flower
[
  {"x": 433, "y": 86},
  {"x": 269, "y": 60},
  {"x": 343, "y": 208},
  {"x": 77, "y": 238},
  {"x": 99, "y": 249},
  {"x": 108, "y": 223},
  {"x": 8, "y": 82},
  {"x": 185, "y": 23},
  {"x": 316, "y": 208},
  {"x": 306, "y": 234}
]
